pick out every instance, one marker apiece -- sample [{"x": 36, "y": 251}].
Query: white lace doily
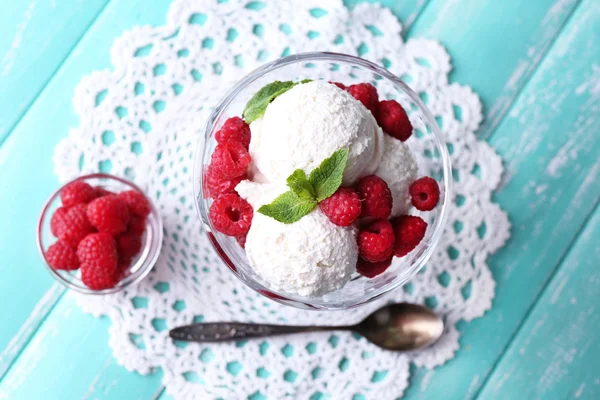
[{"x": 135, "y": 122}]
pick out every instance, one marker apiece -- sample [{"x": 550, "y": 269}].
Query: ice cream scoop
[
  {"x": 309, "y": 257},
  {"x": 308, "y": 123}
]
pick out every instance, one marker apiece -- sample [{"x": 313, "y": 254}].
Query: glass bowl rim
[
  {"x": 439, "y": 223},
  {"x": 138, "y": 275}
]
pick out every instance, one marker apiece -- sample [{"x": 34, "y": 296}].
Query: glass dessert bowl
[
  {"x": 138, "y": 241},
  {"x": 298, "y": 94}
]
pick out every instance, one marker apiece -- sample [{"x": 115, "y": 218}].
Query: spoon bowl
[
  {"x": 401, "y": 327},
  {"x": 397, "y": 327}
]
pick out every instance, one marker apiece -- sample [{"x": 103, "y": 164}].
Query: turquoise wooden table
[{"x": 536, "y": 66}]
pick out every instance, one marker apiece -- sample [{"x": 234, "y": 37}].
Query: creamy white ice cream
[
  {"x": 306, "y": 125},
  {"x": 309, "y": 257},
  {"x": 398, "y": 169}
]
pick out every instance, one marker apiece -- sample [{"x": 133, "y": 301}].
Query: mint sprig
[
  {"x": 257, "y": 105},
  {"x": 306, "y": 192}
]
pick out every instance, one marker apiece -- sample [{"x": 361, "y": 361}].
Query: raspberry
[
  {"x": 128, "y": 246},
  {"x": 376, "y": 241},
  {"x": 231, "y": 215},
  {"x": 343, "y": 207},
  {"x": 393, "y": 119},
  {"x": 101, "y": 192},
  {"x": 366, "y": 94},
  {"x": 339, "y": 84},
  {"x": 98, "y": 249},
  {"x": 108, "y": 214},
  {"x": 371, "y": 270},
  {"x": 236, "y": 130},
  {"x": 62, "y": 256},
  {"x": 424, "y": 193},
  {"x": 241, "y": 239},
  {"x": 230, "y": 160},
  {"x": 217, "y": 186},
  {"x": 97, "y": 278},
  {"x": 376, "y": 197},
  {"x": 75, "y": 226},
  {"x": 57, "y": 223},
  {"x": 137, "y": 203},
  {"x": 409, "y": 231},
  {"x": 77, "y": 192},
  {"x": 137, "y": 225}
]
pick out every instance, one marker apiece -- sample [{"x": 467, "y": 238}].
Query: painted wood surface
[
  {"x": 556, "y": 353},
  {"x": 497, "y": 61},
  {"x": 495, "y": 45},
  {"x": 550, "y": 142},
  {"x": 63, "y": 361},
  {"x": 36, "y": 38}
]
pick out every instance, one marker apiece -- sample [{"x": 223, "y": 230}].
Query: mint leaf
[
  {"x": 300, "y": 185},
  {"x": 257, "y": 105},
  {"x": 327, "y": 177},
  {"x": 288, "y": 207}
]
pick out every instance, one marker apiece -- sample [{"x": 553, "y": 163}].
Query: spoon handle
[{"x": 225, "y": 331}]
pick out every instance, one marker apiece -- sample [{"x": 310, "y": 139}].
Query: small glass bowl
[
  {"x": 141, "y": 264},
  {"x": 426, "y": 144}
]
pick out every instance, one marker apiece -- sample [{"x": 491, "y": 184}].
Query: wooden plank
[
  {"x": 35, "y": 38},
  {"x": 495, "y": 45},
  {"x": 26, "y": 167},
  {"x": 551, "y": 143},
  {"x": 64, "y": 361},
  {"x": 556, "y": 353}
]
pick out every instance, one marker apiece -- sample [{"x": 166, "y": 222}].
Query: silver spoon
[{"x": 399, "y": 327}]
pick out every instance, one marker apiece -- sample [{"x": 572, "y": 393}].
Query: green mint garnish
[
  {"x": 305, "y": 192},
  {"x": 256, "y": 106},
  {"x": 288, "y": 208},
  {"x": 327, "y": 177},
  {"x": 300, "y": 185}
]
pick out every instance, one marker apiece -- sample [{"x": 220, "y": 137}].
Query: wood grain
[
  {"x": 64, "y": 361},
  {"x": 555, "y": 354},
  {"x": 495, "y": 45},
  {"x": 551, "y": 146},
  {"x": 36, "y": 38}
]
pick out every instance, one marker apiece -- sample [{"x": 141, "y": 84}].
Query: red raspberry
[
  {"x": 376, "y": 197},
  {"x": 393, "y": 119},
  {"x": 128, "y": 246},
  {"x": 376, "y": 241},
  {"x": 241, "y": 239},
  {"x": 108, "y": 214},
  {"x": 101, "y": 192},
  {"x": 366, "y": 94},
  {"x": 236, "y": 130},
  {"x": 77, "y": 192},
  {"x": 424, "y": 193},
  {"x": 371, "y": 270},
  {"x": 98, "y": 278},
  {"x": 231, "y": 215},
  {"x": 57, "y": 222},
  {"x": 409, "y": 231},
  {"x": 75, "y": 226},
  {"x": 339, "y": 84},
  {"x": 343, "y": 207},
  {"x": 230, "y": 160},
  {"x": 217, "y": 186},
  {"x": 62, "y": 256},
  {"x": 98, "y": 249},
  {"x": 137, "y": 203},
  {"x": 137, "y": 225}
]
